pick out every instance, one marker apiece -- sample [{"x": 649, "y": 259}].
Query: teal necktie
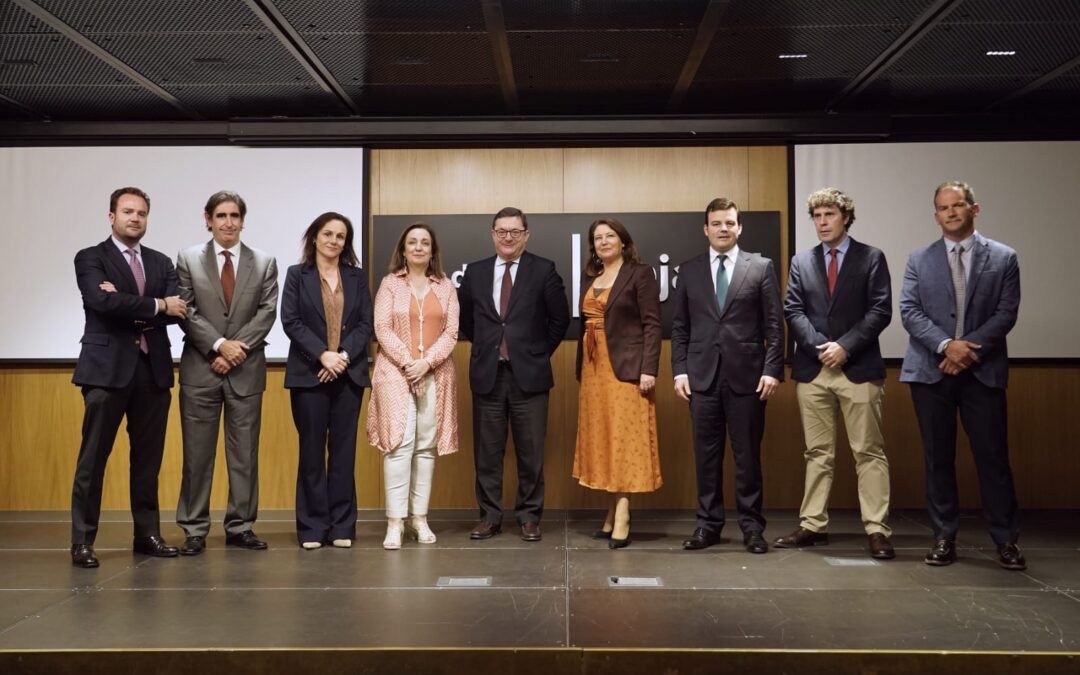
[{"x": 721, "y": 283}]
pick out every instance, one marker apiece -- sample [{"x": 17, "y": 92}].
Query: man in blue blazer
[
  {"x": 129, "y": 295},
  {"x": 513, "y": 309},
  {"x": 727, "y": 356},
  {"x": 839, "y": 299},
  {"x": 960, "y": 299}
]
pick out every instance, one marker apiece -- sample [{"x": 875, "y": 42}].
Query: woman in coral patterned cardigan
[{"x": 412, "y": 415}]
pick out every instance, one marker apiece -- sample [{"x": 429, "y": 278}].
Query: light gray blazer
[
  {"x": 253, "y": 312},
  {"x": 928, "y": 310}
]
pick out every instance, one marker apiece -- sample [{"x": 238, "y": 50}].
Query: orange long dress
[{"x": 617, "y": 448}]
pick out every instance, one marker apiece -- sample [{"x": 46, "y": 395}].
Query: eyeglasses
[{"x": 509, "y": 234}]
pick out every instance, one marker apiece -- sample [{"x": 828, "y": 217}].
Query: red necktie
[
  {"x": 228, "y": 279},
  {"x": 504, "y": 304},
  {"x": 834, "y": 267},
  {"x": 140, "y": 283}
]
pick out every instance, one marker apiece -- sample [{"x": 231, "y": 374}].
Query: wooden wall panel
[{"x": 42, "y": 411}]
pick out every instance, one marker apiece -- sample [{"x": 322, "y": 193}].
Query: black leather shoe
[
  {"x": 600, "y": 534},
  {"x": 1010, "y": 558},
  {"x": 154, "y": 546},
  {"x": 943, "y": 553},
  {"x": 485, "y": 530},
  {"x": 880, "y": 547},
  {"x": 754, "y": 542},
  {"x": 802, "y": 537},
  {"x": 701, "y": 538},
  {"x": 82, "y": 555},
  {"x": 245, "y": 539},
  {"x": 530, "y": 531},
  {"x": 193, "y": 546},
  {"x": 614, "y": 543}
]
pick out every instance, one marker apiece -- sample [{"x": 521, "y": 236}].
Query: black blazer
[
  {"x": 631, "y": 322},
  {"x": 110, "y": 341},
  {"x": 535, "y": 325},
  {"x": 746, "y": 339},
  {"x": 854, "y": 316},
  {"x": 304, "y": 321}
]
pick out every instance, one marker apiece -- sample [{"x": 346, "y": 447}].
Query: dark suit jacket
[
  {"x": 110, "y": 341},
  {"x": 535, "y": 324},
  {"x": 853, "y": 316},
  {"x": 928, "y": 310},
  {"x": 746, "y": 339},
  {"x": 304, "y": 321},
  {"x": 631, "y": 322}
]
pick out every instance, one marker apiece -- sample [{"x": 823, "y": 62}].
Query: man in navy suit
[
  {"x": 514, "y": 310},
  {"x": 727, "y": 355},
  {"x": 839, "y": 299},
  {"x": 960, "y": 299},
  {"x": 129, "y": 295}
]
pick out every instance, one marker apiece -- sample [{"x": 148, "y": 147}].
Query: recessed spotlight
[
  {"x": 793, "y": 56},
  {"x": 1002, "y": 52}
]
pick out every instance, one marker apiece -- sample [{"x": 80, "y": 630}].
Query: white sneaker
[
  {"x": 312, "y": 545},
  {"x": 392, "y": 542},
  {"x": 421, "y": 530},
  {"x": 343, "y": 543}
]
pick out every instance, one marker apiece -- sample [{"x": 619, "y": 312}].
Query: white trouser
[{"x": 408, "y": 470}]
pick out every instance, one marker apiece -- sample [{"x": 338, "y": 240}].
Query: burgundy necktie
[
  {"x": 834, "y": 267},
  {"x": 228, "y": 278},
  {"x": 504, "y": 304},
  {"x": 140, "y": 283}
]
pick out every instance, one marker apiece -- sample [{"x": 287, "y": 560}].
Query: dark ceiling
[{"x": 804, "y": 66}]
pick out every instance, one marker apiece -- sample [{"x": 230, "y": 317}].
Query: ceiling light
[
  {"x": 793, "y": 56},
  {"x": 1010, "y": 52}
]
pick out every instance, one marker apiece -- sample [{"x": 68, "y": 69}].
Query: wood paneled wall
[{"x": 41, "y": 411}]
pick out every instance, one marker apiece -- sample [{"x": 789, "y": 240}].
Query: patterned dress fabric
[{"x": 617, "y": 447}]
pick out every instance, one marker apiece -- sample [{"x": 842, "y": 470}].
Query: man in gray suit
[
  {"x": 231, "y": 291},
  {"x": 960, "y": 299}
]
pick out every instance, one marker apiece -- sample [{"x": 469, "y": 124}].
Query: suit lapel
[
  {"x": 708, "y": 285},
  {"x": 848, "y": 262},
  {"x": 309, "y": 277},
  {"x": 126, "y": 280},
  {"x": 484, "y": 284},
  {"x": 979, "y": 257},
  {"x": 521, "y": 281},
  {"x": 939, "y": 254},
  {"x": 243, "y": 273},
  {"x": 738, "y": 276},
  {"x": 621, "y": 280},
  {"x": 209, "y": 263},
  {"x": 348, "y": 288}
]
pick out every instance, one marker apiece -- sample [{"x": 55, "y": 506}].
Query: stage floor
[{"x": 554, "y": 593}]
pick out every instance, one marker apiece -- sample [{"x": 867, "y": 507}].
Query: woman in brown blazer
[{"x": 618, "y": 357}]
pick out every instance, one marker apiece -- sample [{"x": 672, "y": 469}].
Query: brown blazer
[{"x": 631, "y": 322}]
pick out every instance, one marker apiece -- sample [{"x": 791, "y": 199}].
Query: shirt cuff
[
  {"x": 217, "y": 343},
  {"x": 682, "y": 376},
  {"x": 941, "y": 345}
]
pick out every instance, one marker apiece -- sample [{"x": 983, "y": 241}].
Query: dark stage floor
[{"x": 555, "y": 593}]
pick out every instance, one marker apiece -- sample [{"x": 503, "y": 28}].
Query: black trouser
[
  {"x": 526, "y": 415},
  {"x": 147, "y": 408}
]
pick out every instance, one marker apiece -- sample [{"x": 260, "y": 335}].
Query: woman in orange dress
[{"x": 617, "y": 360}]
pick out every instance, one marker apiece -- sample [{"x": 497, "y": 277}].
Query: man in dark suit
[
  {"x": 727, "y": 355},
  {"x": 129, "y": 295},
  {"x": 839, "y": 299},
  {"x": 514, "y": 310},
  {"x": 231, "y": 292},
  {"x": 960, "y": 299}
]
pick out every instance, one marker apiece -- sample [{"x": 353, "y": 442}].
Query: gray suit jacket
[
  {"x": 928, "y": 309},
  {"x": 249, "y": 320}
]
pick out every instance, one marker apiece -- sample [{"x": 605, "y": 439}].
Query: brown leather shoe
[
  {"x": 1010, "y": 558},
  {"x": 530, "y": 532},
  {"x": 485, "y": 530},
  {"x": 880, "y": 547},
  {"x": 802, "y": 537}
]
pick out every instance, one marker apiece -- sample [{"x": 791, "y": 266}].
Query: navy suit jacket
[
  {"x": 110, "y": 341},
  {"x": 854, "y": 316},
  {"x": 928, "y": 310},
  {"x": 746, "y": 338},
  {"x": 304, "y": 320},
  {"x": 535, "y": 324}
]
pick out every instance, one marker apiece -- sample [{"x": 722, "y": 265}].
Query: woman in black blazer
[{"x": 326, "y": 312}]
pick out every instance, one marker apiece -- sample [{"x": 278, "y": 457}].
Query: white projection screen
[
  {"x": 56, "y": 201},
  {"x": 1025, "y": 190}
]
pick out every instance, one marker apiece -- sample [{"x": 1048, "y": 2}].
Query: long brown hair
[
  {"x": 398, "y": 261},
  {"x": 595, "y": 267},
  {"x": 348, "y": 255}
]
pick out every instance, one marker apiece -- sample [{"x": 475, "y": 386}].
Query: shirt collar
[
  {"x": 732, "y": 253},
  {"x": 124, "y": 247},
  {"x": 968, "y": 243},
  {"x": 218, "y": 248},
  {"x": 842, "y": 246}
]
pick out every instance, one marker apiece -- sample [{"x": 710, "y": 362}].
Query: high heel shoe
[
  {"x": 614, "y": 543},
  {"x": 392, "y": 542},
  {"x": 600, "y": 534},
  {"x": 422, "y": 531},
  {"x": 622, "y": 510}
]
